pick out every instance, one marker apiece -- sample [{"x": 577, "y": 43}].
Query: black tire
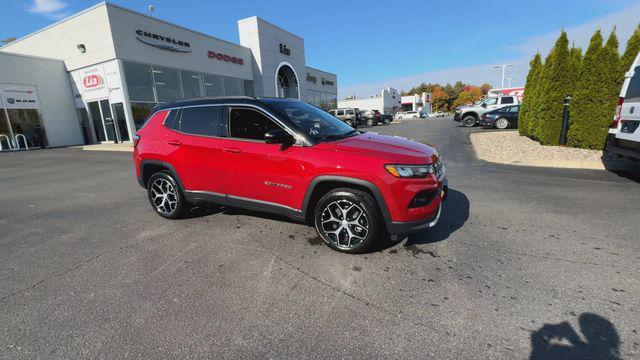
[
  {"x": 349, "y": 122},
  {"x": 469, "y": 121},
  {"x": 173, "y": 205},
  {"x": 369, "y": 122},
  {"x": 501, "y": 123},
  {"x": 361, "y": 210},
  {"x": 385, "y": 122}
]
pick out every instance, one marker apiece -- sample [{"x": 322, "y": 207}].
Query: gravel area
[{"x": 508, "y": 147}]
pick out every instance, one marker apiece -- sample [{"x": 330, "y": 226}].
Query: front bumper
[{"x": 409, "y": 227}]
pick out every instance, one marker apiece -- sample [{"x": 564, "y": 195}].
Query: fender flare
[
  {"x": 382, "y": 204},
  {"x": 165, "y": 166}
]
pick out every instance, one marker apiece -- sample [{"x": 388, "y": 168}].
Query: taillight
[
  {"x": 136, "y": 140},
  {"x": 616, "y": 119}
]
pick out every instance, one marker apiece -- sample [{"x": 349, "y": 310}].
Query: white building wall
[
  {"x": 264, "y": 40},
  {"x": 387, "y": 102},
  {"x": 60, "y": 40},
  {"x": 125, "y": 23},
  {"x": 322, "y": 88},
  {"x": 50, "y": 79}
]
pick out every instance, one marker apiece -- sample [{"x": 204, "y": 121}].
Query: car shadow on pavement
[
  {"x": 562, "y": 342},
  {"x": 455, "y": 213}
]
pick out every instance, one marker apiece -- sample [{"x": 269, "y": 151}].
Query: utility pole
[
  {"x": 503, "y": 67},
  {"x": 509, "y": 81}
]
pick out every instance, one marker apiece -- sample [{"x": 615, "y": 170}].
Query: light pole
[
  {"x": 503, "y": 67},
  {"x": 509, "y": 81}
]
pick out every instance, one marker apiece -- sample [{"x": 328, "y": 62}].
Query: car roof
[{"x": 216, "y": 100}]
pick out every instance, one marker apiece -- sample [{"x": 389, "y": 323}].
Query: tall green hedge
[
  {"x": 633, "y": 48},
  {"x": 535, "y": 69},
  {"x": 585, "y": 98},
  {"x": 557, "y": 82}
]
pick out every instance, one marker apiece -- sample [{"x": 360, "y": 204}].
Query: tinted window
[
  {"x": 633, "y": 91},
  {"x": 491, "y": 101},
  {"x": 340, "y": 112},
  {"x": 204, "y": 120},
  {"x": 349, "y": 112},
  {"x": 507, "y": 100},
  {"x": 250, "y": 124},
  {"x": 170, "y": 120}
]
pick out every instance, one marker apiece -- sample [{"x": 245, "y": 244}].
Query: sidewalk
[{"x": 125, "y": 146}]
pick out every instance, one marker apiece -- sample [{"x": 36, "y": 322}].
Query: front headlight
[{"x": 409, "y": 171}]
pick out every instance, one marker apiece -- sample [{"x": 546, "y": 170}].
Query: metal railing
[
  {"x": 9, "y": 145},
  {"x": 13, "y": 144},
  {"x": 24, "y": 140}
]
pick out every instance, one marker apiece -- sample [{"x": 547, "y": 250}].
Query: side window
[
  {"x": 491, "y": 101},
  {"x": 249, "y": 124},
  {"x": 349, "y": 112},
  {"x": 340, "y": 112},
  {"x": 170, "y": 121},
  {"x": 202, "y": 120},
  {"x": 507, "y": 100},
  {"x": 515, "y": 109}
]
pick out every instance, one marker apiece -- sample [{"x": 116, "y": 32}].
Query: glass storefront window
[
  {"x": 140, "y": 112},
  {"x": 139, "y": 81},
  {"x": 248, "y": 88},
  {"x": 191, "y": 84},
  {"x": 28, "y": 123},
  {"x": 4, "y": 130},
  {"x": 233, "y": 86},
  {"x": 213, "y": 85},
  {"x": 167, "y": 83}
]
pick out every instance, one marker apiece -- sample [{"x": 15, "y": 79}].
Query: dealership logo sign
[
  {"x": 284, "y": 49},
  {"x": 225, "y": 57},
  {"x": 163, "y": 42},
  {"x": 327, "y": 82},
  {"x": 311, "y": 78},
  {"x": 92, "y": 81}
]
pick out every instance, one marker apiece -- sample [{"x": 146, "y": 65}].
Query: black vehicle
[
  {"x": 503, "y": 118},
  {"x": 387, "y": 119}
]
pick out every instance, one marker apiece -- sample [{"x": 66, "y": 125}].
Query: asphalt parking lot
[{"x": 526, "y": 263}]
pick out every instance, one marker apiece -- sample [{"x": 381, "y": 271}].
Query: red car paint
[{"x": 268, "y": 173}]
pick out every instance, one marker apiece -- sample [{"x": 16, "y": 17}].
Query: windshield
[{"x": 313, "y": 121}]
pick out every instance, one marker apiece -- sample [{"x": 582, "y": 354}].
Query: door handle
[
  {"x": 175, "y": 142},
  {"x": 231, "y": 150}
]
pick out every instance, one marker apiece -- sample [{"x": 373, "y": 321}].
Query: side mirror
[
  {"x": 484, "y": 105},
  {"x": 279, "y": 136}
]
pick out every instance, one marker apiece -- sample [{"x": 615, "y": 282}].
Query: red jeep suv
[{"x": 288, "y": 157}]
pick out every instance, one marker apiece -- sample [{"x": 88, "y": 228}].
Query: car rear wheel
[
  {"x": 349, "y": 221},
  {"x": 469, "y": 121},
  {"x": 385, "y": 122},
  {"x": 165, "y": 196},
  {"x": 369, "y": 122},
  {"x": 349, "y": 122},
  {"x": 501, "y": 123}
]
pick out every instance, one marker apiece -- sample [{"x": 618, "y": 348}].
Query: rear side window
[
  {"x": 202, "y": 120},
  {"x": 492, "y": 101},
  {"x": 507, "y": 100},
  {"x": 349, "y": 112},
  {"x": 340, "y": 112},
  {"x": 249, "y": 124},
  {"x": 633, "y": 90},
  {"x": 171, "y": 121}
]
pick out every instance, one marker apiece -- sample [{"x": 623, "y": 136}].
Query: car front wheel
[
  {"x": 469, "y": 121},
  {"x": 501, "y": 123},
  {"x": 369, "y": 122},
  {"x": 349, "y": 221},
  {"x": 349, "y": 122},
  {"x": 165, "y": 196}
]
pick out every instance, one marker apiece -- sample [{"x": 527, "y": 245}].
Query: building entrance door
[{"x": 103, "y": 125}]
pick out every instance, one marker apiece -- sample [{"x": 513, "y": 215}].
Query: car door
[
  {"x": 194, "y": 148},
  {"x": 258, "y": 174},
  {"x": 513, "y": 115}
]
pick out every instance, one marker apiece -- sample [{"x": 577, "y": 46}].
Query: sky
[{"x": 374, "y": 44}]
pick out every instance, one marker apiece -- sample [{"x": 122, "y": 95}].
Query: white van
[{"x": 624, "y": 133}]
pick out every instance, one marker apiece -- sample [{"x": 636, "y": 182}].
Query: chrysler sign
[{"x": 163, "y": 42}]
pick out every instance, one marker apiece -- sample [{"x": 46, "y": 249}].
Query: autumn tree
[{"x": 632, "y": 50}]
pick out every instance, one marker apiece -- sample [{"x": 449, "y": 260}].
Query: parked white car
[
  {"x": 624, "y": 134},
  {"x": 408, "y": 115}
]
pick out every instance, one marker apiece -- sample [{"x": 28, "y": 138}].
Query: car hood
[{"x": 391, "y": 148}]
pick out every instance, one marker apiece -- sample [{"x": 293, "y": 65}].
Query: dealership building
[
  {"x": 389, "y": 101},
  {"x": 94, "y": 76}
]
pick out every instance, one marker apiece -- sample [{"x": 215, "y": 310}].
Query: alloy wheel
[
  {"x": 345, "y": 224},
  {"x": 164, "y": 196},
  {"x": 502, "y": 123}
]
